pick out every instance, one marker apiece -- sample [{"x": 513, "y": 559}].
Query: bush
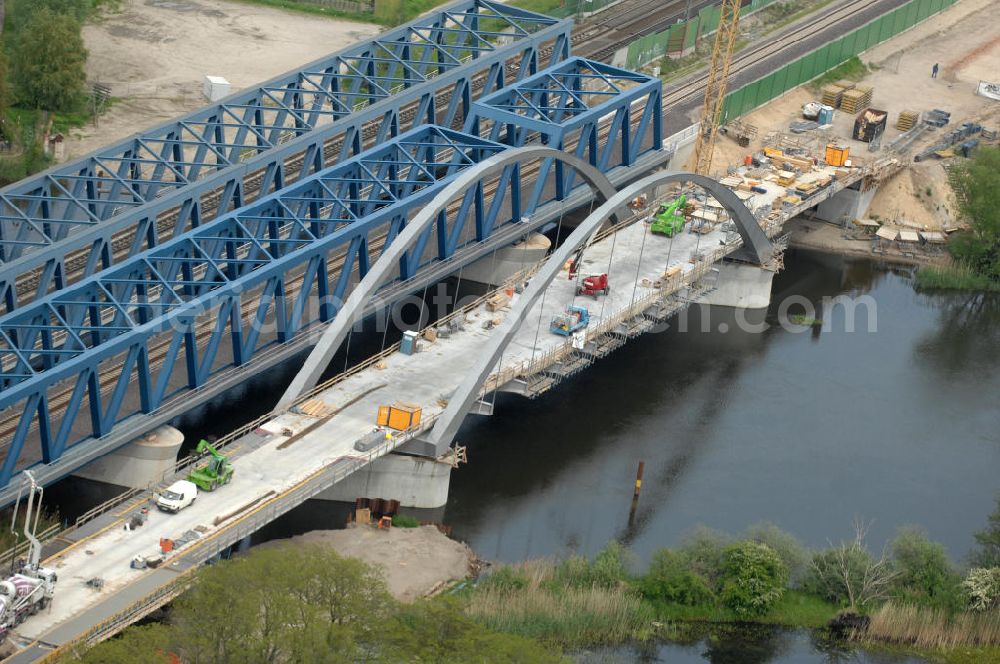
[
  {"x": 754, "y": 578},
  {"x": 705, "y": 552},
  {"x": 670, "y": 579},
  {"x": 403, "y": 521},
  {"x": 608, "y": 569},
  {"x": 982, "y": 588},
  {"x": 923, "y": 572},
  {"x": 848, "y": 575},
  {"x": 988, "y": 539},
  {"x": 787, "y": 546}
]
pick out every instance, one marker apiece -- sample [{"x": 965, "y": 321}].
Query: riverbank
[
  {"x": 415, "y": 562},
  {"x": 827, "y": 238}
]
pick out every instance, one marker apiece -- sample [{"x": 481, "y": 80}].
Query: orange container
[
  {"x": 399, "y": 416},
  {"x": 836, "y": 155}
]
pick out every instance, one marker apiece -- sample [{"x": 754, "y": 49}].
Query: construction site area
[
  {"x": 256, "y": 236},
  {"x": 912, "y": 213}
]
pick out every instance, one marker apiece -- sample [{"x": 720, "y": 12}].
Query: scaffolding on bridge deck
[{"x": 128, "y": 197}]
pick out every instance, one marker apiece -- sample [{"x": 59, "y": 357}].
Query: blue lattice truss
[
  {"x": 320, "y": 233},
  {"x": 602, "y": 114},
  {"x": 72, "y": 221},
  {"x": 147, "y": 334}
]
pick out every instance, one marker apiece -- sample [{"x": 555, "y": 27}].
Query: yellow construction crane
[{"x": 715, "y": 88}]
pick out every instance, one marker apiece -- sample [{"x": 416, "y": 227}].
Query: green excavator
[
  {"x": 669, "y": 220},
  {"x": 218, "y": 471}
]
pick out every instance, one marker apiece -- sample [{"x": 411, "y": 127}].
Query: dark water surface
[{"x": 808, "y": 430}]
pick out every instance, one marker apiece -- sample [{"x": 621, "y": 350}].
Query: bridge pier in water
[{"x": 741, "y": 285}]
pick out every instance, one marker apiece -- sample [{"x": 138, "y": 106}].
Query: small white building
[{"x": 215, "y": 88}]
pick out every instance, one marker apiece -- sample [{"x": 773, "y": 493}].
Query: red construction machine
[{"x": 593, "y": 285}]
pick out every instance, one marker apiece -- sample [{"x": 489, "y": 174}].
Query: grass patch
[
  {"x": 782, "y": 14},
  {"x": 849, "y": 70},
  {"x": 953, "y": 278},
  {"x": 389, "y": 13},
  {"x": 550, "y": 7},
  {"x": 529, "y": 600},
  {"x": 933, "y": 628},
  {"x": 794, "y": 609},
  {"x": 403, "y": 521}
]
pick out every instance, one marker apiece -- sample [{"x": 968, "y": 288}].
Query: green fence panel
[{"x": 691, "y": 34}]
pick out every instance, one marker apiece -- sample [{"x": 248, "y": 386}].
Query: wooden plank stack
[
  {"x": 852, "y": 101},
  {"x": 907, "y": 119},
  {"x": 832, "y": 94}
]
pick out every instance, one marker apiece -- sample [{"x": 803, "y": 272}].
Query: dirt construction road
[{"x": 154, "y": 55}]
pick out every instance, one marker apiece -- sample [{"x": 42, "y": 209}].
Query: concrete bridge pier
[
  {"x": 846, "y": 205},
  {"x": 140, "y": 462},
  {"x": 740, "y": 285},
  {"x": 415, "y": 481}
]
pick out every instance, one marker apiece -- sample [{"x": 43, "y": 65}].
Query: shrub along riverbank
[{"x": 289, "y": 604}]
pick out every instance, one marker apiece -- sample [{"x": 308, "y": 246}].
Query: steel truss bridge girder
[
  {"x": 129, "y": 428},
  {"x": 81, "y": 207},
  {"x": 564, "y": 106},
  {"x": 64, "y": 342}
]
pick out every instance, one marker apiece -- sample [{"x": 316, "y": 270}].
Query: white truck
[
  {"x": 31, "y": 589},
  {"x": 177, "y": 496},
  {"x": 23, "y": 595}
]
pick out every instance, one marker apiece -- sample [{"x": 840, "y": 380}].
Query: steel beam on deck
[{"x": 76, "y": 219}]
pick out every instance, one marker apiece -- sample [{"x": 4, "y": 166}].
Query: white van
[{"x": 177, "y": 496}]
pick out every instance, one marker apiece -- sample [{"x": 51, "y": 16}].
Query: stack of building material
[
  {"x": 937, "y": 117},
  {"x": 832, "y": 94},
  {"x": 907, "y": 119},
  {"x": 854, "y": 100}
]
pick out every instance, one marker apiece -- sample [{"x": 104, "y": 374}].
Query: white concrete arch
[
  {"x": 447, "y": 425},
  {"x": 334, "y": 335}
]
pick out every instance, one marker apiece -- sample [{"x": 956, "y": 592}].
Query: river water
[
  {"x": 892, "y": 418},
  {"x": 893, "y": 423}
]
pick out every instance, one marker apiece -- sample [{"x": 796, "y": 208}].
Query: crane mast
[{"x": 715, "y": 87}]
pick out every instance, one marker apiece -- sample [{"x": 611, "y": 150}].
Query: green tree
[
  {"x": 48, "y": 62},
  {"x": 282, "y": 603},
  {"x": 23, "y": 12},
  {"x": 142, "y": 643},
  {"x": 923, "y": 572},
  {"x": 988, "y": 552},
  {"x": 976, "y": 183},
  {"x": 786, "y": 545},
  {"x": 4, "y": 92},
  {"x": 754, "y": 578}
]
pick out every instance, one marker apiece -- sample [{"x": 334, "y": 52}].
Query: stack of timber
[
  {"x": 854, "y": 100},
  {"x": 832, "y": 95},
  {"x": 907, "y": 119}
]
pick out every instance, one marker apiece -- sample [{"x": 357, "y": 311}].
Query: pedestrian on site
[{"x": 934, "y": 70}]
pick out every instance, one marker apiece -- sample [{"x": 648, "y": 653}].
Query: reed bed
[
  {"x": 533, "y": 599},
  {"x": 932, "y": 628}
]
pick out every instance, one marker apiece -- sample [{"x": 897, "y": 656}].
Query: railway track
[{"x": 694, "y": 87}]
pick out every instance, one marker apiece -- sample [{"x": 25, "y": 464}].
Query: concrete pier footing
[
  {"x": 138, "y": 463},
  {"x": 413, "y": 481},
  {"x": 742, "y": 286},
  {"x": 845, "y": 206}
]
